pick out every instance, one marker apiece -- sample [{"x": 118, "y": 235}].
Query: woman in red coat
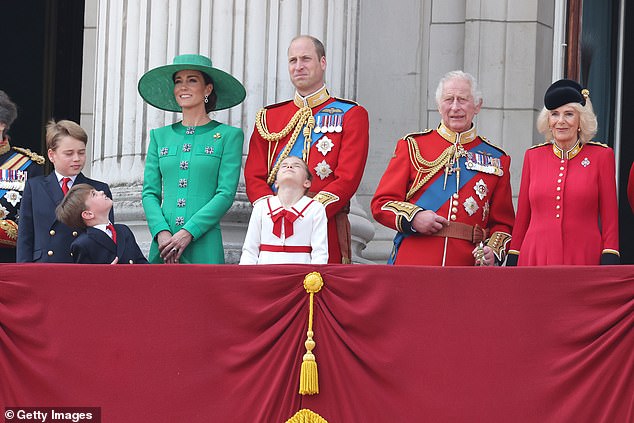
[{"x": 567, "y": 208}]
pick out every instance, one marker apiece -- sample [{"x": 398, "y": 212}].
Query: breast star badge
[
  {"x": 323, "y": 169},
  {"x": 481, "y": 189},
  {"x": 470, "y": 206},
  {"x": 324, "y": 145}
]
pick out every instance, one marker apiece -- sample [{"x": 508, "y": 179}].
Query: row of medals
[{"x": 326, "y": 124}]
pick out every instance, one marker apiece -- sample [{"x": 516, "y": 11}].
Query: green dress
[{"x": 190, "y": 181}]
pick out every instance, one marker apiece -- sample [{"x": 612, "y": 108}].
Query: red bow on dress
[{"x": 286, "y": 216}]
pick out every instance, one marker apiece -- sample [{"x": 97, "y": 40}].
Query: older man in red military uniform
[
  {"x": 447, "y": 191},
  {"x": 329, "y": 134}
]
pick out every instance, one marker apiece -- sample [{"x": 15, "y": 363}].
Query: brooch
[{"x": 585, "y": 162}]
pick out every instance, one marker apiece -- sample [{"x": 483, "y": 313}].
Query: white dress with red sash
[{"x": 277, "y": 235}]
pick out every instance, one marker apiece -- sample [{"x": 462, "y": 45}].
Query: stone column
[{"x": 248, "y": 39}]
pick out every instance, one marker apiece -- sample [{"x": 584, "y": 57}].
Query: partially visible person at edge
[
  {"x": 567, "y": 209},
  {"x": 447, "y": 191},
  {"x": 192, "y": 166},
  {"x": 328, "y": 133},
  {"x": 41, "y": 237},
  {"x": 16, "y": 165}
]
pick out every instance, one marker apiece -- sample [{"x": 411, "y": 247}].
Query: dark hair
[
  {"x": 55, "y": 131},
  {"x": 73, "y": 205},
  {"x": 210, "y": 106},
  {"x": 8, "y": 109}
]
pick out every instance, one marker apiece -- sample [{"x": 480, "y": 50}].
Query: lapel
[
  {"x": 52, "y": 188},
  {"x": 102, "y": 238}
]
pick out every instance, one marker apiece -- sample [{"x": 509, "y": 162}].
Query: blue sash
[
  {"x": 298, "y": 147},
  {"x": 435, "y": 196}
]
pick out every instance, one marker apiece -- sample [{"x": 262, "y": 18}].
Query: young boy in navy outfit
[
  {"x": 41, "y": 237},
  {"x": 102, "y": 242}
]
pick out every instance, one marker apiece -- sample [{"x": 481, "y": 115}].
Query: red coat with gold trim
[
  {"x": 345, "y": 161},
  {"x": 567, "y": 209},
  {"x": 485, "y": 200}
]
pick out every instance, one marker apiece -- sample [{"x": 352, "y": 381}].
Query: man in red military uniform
[
  {"x": 329, "y": 134},
  {"x": 447, "y": 191}
]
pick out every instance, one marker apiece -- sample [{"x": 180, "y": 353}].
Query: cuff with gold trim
[
  {"x": 610, "y": 257},
  {"x": 325, "y": 198},
  {"x": 498, "y": 242},
  {"x": 404, "y": 212},
  {"x": 512, "y": 258}
]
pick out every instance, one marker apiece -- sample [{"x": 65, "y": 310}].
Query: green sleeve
[{"x": 153, "y": 190}]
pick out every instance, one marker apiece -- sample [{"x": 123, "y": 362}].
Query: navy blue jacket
[
  {"x": 95, "y": 247},
  {"x": 41, "y": 238}
]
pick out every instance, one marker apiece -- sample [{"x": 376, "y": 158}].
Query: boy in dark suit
[
  {"x": 102, "y": 242},
  {"x": 41, "y": 237}
]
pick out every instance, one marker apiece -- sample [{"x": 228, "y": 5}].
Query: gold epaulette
[
  {"x": 486, "y": 141},
  {"x": 599, "y": 144},
  {"x": 539, "y": 145},
  {"x": 30, "y": 154},
  {"x": 415, "y": 134}
]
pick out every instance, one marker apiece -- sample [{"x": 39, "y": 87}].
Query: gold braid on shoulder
[
  {"x": 303, "y": 117},
  {"x": 425, "y": 169}
]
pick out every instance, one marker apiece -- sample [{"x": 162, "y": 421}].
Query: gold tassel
[
  {"x": 308, "y": 376},
  {"x": 306, "y": 416}
]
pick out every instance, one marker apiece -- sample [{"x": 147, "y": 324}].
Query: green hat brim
[{"x": 157, "y": 87}]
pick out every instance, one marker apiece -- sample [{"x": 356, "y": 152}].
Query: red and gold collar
[
  {"x": 452, "y": 137},
  {"x": 567, "y": 154},
  {"x": 315, "y": 99}
]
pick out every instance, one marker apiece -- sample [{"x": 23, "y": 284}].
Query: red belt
[{"x": 286, "y": 248}]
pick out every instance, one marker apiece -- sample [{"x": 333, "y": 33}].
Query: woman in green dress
[{"x": 192, "y": 166}]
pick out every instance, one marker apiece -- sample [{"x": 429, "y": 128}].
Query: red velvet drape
[{"x": 394, "y": 344}]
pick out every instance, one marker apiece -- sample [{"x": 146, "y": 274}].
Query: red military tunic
[
  {"x": 567, "y": 209},
  {"x": 485, "y": 200},
  {"x": 336, "y": 160}
]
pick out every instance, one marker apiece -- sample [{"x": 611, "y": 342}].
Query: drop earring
[{"x": 206, "y": 99}]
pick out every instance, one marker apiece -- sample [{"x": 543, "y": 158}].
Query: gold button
[
  {"x": 131, "y": 261},
  {"x": 75, "y": 233},
  {"x": 558, "y": 198},
  {"x": 455, "y": 195},
  {"x": 557, "y": 216},
  {"x": 50, "y": 253},
  {"x": 52, "y": 232},
  {"x": 562, "y": 160},
  {"x": 558, "y": 207},
  {"x": 561, "y": 168},
  {"x": 455, "y": 203},
  {"x": 561, "y": 174},
  {"x": 454, "y": 210},
  {"x": 453, "y": 217},
  {"x": 559, "y": 181},
  {"x": 558, "y": 188}
]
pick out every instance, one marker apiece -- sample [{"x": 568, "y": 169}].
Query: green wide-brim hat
[{"x": 157, "y": 86}]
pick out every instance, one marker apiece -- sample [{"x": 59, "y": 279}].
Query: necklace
[{"x": 191, "y": 129}]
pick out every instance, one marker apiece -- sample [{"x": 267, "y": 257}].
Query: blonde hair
[
  {"x": 55, "y": 131},
  {"x": 73, "y": 205},
  {"x": 587, "y": 122}
]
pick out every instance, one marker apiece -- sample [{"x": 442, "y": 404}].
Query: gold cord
[
  {"x": 303, "y": 117},
  {"x": 425, "y": 167}
]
